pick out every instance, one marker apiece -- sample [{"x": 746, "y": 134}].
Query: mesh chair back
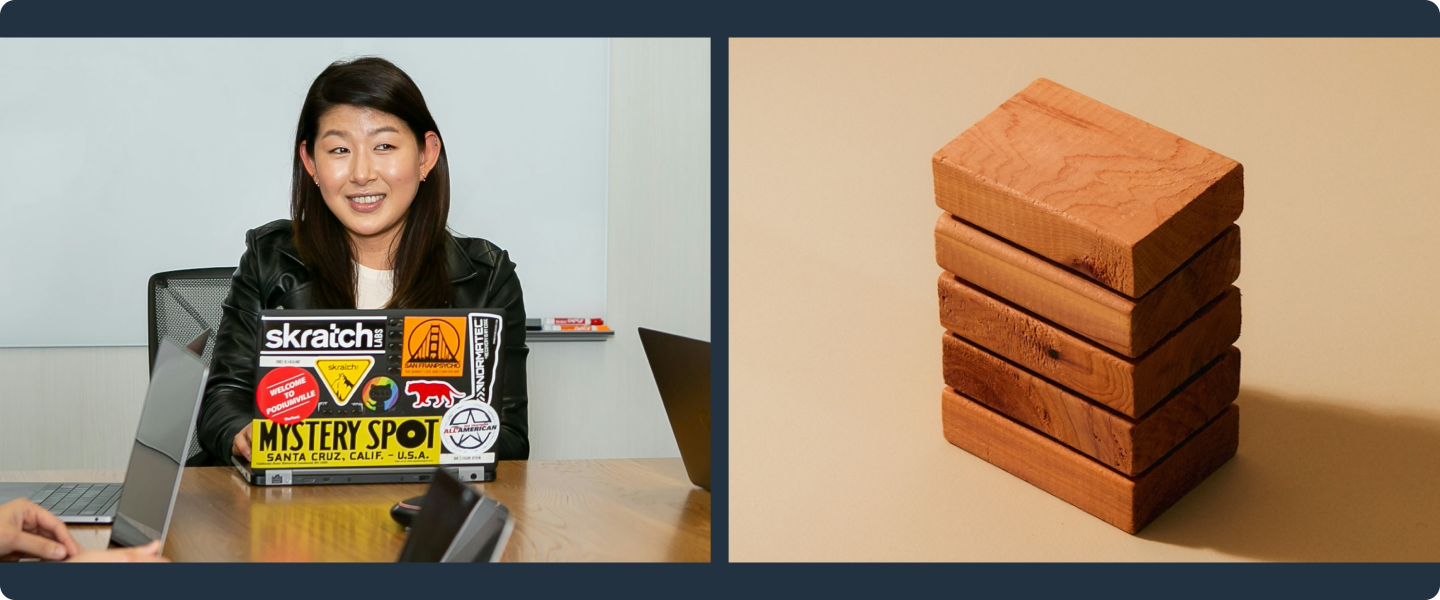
[{"x": 183, "y": 304}]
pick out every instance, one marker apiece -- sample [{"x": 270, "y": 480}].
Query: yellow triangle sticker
[{"x": 343, "y": 375}]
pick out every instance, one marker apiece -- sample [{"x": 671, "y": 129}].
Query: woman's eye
[
  {"x": 339, "y": 151},
  {"x": 384, "y": 147}
]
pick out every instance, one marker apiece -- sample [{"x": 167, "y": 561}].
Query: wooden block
[
  {"x": 1116, "y": 321},
  {"x": 1129, "y": 503},
  {"x": 1130, "y": 386},
  {"x": 1124, "y": 444},
  {"x": 1089, "y": 187}
]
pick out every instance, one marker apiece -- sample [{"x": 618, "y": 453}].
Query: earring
[
  {"x": 317, "y": 180},
  {"x": 423, "y": 175}
]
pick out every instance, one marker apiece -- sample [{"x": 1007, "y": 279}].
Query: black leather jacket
[{"x": 271, "y": 276}]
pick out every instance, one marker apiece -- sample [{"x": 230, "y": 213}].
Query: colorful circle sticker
[
  {"x": 380, "y": 393},
  {"x": 287, "y": 395}
]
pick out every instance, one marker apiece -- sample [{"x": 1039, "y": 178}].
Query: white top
[{"x": 373, "y": 287}]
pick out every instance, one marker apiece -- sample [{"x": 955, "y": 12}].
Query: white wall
[
  {"x": 77, "y": 408},
  {"x": 189, "y": 140}
]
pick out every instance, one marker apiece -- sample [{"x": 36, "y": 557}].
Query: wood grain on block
[
  {"x": 1129, "y": 503},
  {"x": 1130, "y": 386},
  {"x": 1088, "y": 186},
  {"x": 1122, "y": 443},
  {"x": 1118, "y": 322}
]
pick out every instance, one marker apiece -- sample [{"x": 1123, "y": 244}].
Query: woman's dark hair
[{"x": 421, "y": 279}]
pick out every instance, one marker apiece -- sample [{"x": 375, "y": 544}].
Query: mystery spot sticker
[{"x": 287, "y": 395}]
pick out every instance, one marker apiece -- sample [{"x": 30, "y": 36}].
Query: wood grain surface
[
  {"x": 1087, "y": 186},
  {"x": 1130, "y": 386},
  {"x": 1118, "y": 322},
  {"x": 1129, "y": 503},
  {"x": 581, "y": 510},
  {"x": 1122, "y": 443}
]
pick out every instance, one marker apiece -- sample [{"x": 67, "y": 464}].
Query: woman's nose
[{"x": 362, "y": 169}]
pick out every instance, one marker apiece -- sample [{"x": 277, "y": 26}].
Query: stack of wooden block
[{"x": 1088, "y": 302}]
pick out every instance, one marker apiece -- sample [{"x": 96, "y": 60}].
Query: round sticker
[
  {"x": 470, "y": 427},
  {"x": 287, "y": 395},
  {"x": 380, "y": 393}
]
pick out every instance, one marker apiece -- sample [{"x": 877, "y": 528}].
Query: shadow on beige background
[{"x": 1317, "y": 481}]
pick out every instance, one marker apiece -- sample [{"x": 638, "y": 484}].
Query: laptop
[
  {"x": 140, "y": 507},
  {"x": 682, "y": 373},
  {"x": 457, "y": 525},
  {"x": 375, "y": 396}
]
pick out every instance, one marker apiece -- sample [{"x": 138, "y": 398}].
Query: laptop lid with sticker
[{"x": 377, "y": 388}]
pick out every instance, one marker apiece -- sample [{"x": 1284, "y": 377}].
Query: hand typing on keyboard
[{"x": 28, "y": 531}]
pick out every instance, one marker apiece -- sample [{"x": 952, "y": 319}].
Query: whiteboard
[{"x": 122, "y": 158}]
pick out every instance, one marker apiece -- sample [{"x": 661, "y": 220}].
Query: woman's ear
[
  {"x": 305, "y": 158},
  {"x": 432, "y": 152}
]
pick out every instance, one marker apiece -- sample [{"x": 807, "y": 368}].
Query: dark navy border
[
  {"x": 737, "y": 18},
  {"x": 273, "y": 18},
  {"x": 729, "y": 581},
  {"x": 719, "y": 300}
]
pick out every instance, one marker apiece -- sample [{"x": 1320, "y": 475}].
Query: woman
[{"x": 370, "y": 195}]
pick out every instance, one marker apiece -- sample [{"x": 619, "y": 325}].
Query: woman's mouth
[{"x": 365, "y": 204}]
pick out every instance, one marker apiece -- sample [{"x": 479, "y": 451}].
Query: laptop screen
[{"x": 158, "y": 455}]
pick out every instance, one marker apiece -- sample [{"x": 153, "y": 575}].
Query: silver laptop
[{"x": 140, "y": 508}]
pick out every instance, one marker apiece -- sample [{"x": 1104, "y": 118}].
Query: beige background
[{"x": 835, "y": 443}]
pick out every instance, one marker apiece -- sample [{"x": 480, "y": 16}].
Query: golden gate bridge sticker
[
  {"x": 484, "y": 353},
  {"x": 432, "y": 347}
]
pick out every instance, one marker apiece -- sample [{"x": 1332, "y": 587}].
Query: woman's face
[{"x": 368, "y": 167}]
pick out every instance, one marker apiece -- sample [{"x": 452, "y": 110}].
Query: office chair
[{"x": 182, "y": 305}]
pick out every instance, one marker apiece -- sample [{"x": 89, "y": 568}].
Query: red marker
[{"x": 572, "y": 321}]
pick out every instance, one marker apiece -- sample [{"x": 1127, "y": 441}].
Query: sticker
[
  {"x": 432, "y": 393},
  {"x": 432, "y": 347},
  {"x": 380, "y": 393},
  {"x": 306, "y": 335},
  {"x": 267, "y": 360},
  {"x": 469, "y": 429},
  {"x": 343, "y": 375},
  {"x": 485, "y": 332},
  {"x": 364, "y": 442},
  {"x": 287, "y": 395}
]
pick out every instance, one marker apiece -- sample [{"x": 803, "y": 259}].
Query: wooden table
[{"x": 580, "y": 510}]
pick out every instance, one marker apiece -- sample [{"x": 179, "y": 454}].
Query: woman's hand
[
  {"x": 28, "y": 531},
  {"x": 241, "y": 445},
  {"x": 148, "y": 553}
]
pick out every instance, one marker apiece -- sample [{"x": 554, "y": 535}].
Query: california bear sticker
[{"x": 432, "y": 393}]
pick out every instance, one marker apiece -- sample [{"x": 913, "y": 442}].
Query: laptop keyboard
[{"x": 78, "y": 499}]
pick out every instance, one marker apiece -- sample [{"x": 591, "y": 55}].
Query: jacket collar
[
  {"x": 457, "y": 263},
  {"x": 459, "y": 266}
]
